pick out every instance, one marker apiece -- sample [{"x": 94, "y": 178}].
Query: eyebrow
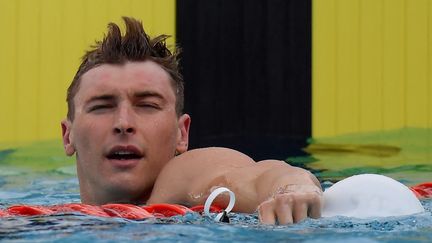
[
  {"x": 145, "y": 94},
  {"x": 105, "y": 97}
]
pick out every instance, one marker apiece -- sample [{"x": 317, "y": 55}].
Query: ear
[
  {"x": 66, "y": 126},
  {"x": 183, "y": 133}
]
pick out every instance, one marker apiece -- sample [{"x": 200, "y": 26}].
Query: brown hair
[{"x": 135, "y": 45}]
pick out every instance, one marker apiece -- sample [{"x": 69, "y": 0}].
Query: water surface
[{"x": 40, "y": 174}]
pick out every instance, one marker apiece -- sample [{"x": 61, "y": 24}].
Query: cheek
[
  {"x": 166, "y": 131},
  {"x": 88, "y": 135},
  {"x": 162, "y": 137}
]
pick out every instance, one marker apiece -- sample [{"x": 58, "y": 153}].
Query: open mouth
[{"x": 124, "y": 153}]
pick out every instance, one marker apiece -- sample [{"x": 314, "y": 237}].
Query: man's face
[{"x": 124, "y": 131}]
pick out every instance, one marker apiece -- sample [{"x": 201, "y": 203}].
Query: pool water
[{"x": 40, "y": 174}]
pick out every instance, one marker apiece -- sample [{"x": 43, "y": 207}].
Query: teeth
[{"x": 123, "y": 153}]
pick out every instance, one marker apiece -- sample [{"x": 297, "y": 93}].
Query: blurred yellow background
[
  {"x": 41, "y": 44},
  {"x": 371, "y": 63}
]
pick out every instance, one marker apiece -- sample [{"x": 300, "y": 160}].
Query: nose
[{"x": 125, "y": 121}]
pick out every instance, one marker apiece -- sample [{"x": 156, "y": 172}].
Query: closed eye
[
  {"x": 100, "y": 107},
  {"x": 149, "y": 105}
]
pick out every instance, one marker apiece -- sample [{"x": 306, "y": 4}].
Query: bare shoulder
[
  {"x": 215, "y": 156},
  {"x": 205, "y": 161},
  {"x": 195, "y": 170}
]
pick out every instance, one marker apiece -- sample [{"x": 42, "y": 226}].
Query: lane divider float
[
  {"x": 422, "y": 190},
  {"x": 134, "y": 212},
  {"x": 127, "y": 211}
]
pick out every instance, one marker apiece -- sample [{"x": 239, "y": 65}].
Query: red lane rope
[
  {"x": 167, "y": 210},
  {"x": 200, "y": 209},
  {"x": 81, "y": 208},
  {"x": 26, "y": 210},
  {"x": 127, "y": 211},
  {"x": 423, "y": 190}
]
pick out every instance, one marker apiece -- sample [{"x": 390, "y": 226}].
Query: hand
[{"x": 291, "y": 204}]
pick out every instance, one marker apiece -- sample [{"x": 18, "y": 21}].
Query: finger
[
  {"x": 314, "y": 207},
  {"x": 266, "y": 213},
  {"x": 284, "y": 212},
  {"x": 300, "y": 211}
]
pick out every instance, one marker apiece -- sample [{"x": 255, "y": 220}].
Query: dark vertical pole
[{"x": 247, "y": 69}]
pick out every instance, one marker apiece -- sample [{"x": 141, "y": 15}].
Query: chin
[{"x": 130, "y": 190}]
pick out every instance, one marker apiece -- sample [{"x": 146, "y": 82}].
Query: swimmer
[{"x": 126, "y": 127}]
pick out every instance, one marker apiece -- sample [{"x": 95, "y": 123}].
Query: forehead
[{"x": 130, "y": 77}]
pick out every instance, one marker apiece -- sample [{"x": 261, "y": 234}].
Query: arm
[
  {"x": 279, "y": 191},
  {"x": 295, "y": 193}
]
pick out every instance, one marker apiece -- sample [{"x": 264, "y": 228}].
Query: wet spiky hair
[{"x": 135, "y": 45}]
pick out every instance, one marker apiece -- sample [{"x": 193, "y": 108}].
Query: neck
[
  {"x": 102, "y": 197},
  {"x": 94, "y": 195}
]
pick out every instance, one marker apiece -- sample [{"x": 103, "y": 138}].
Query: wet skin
[{"x": 125, "y": 129}]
